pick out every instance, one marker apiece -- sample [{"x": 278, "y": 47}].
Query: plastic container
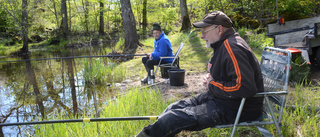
[
  {"x": 152, "y": 78},
  {"x": 164, "y": 70},
  {"x": 176, "y": 77}
]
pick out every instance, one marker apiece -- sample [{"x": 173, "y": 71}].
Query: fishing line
[{"x": 120, "y": 55}]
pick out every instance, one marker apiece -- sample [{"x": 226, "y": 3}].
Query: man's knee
[
  {"x": 144, "y": 60},
  {"x": 179, "y": 104},
  {"x": 150, "y": 63}
]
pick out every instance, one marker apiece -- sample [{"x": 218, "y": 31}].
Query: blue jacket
[{"x": 162, "y": 48}]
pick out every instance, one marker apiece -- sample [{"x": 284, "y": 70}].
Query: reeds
[{"x": 98, "y": 72}]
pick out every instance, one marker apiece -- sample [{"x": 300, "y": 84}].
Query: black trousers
[
  {"x": 193, "y": 114},
  {"x": 149, "y": 63}
]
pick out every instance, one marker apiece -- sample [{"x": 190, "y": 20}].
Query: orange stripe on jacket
[{"x": 237, "y": 70}]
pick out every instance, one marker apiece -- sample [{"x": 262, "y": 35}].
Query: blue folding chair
[{"x": 175, "y": 61}]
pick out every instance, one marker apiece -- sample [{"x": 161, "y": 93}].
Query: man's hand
[
  {"x": 149, "y": 55},
  {"x": 206, "y": 80}
]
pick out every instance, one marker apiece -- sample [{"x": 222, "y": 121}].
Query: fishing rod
[
  {"x": 195, "y": 30},
  {"x": 119, "y": 55},
  {"x": 82, "y": 120}
]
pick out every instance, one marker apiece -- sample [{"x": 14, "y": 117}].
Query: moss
[
  {"x": 243, "y": 21},
  {"x": 289, "y": 16}
]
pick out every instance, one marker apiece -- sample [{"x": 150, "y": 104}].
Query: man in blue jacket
[{"x": 162, "y": 48}]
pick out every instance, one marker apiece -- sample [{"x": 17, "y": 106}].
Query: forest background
[{"x": 73, "y": 23}]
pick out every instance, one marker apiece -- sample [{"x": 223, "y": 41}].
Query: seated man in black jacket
[{"x": 234, "y": 72}]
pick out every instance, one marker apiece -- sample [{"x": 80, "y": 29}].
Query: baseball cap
[
  {"x": 156, "y": 26},
  {"x": 214, "y": 17}
]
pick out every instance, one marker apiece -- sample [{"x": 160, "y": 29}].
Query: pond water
[{"x": 31, "y": 89}]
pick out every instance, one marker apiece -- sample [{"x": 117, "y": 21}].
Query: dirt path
[{"x": 193, "y": 85}]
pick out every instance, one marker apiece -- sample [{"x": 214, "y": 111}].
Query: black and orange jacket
[{"x": 236, "y": 73}]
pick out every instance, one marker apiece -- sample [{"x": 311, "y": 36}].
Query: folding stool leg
[
  {"x": 155, "y": 72},
  {"x": 238, "y": 117},
  {"x": 264, "y": 131},
  {"x": 275, "y": 120}
]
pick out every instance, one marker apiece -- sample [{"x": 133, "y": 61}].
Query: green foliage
[
  {"x": 6, "y": 50},
  {"x": 3, "y": 21},
  {"x": 298, "y": 7},
  {"x": 169, "y": 17},
  {"x": 255, "y": 9},
  {"x": 84, "y": 15},
  {"x": 2, "y": 50},
  {"x": 120, "y": 45},
  {"x": 254, "y": 39},
  {"x": 300, "y": 69}
]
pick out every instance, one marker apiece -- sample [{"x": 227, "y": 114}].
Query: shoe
[
  {"x": 142, "y": 134},
  {"x": 145, "y": 80}
]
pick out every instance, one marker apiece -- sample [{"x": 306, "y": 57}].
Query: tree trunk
[
  {"x": 129, "y": 23},
  {"x": 64, "y": 19},
  {"x": 24, "y": 26},
  {"x": 186, "y": 25},
  {"x": 85, "y": 9},
  {"x": 101, "y": 27},
  {"x": 1, "y": 132},
  {"x": 69, "y": 25},
  {"x": 55, "y": 13},
  {"x": 144, "y": 19}
]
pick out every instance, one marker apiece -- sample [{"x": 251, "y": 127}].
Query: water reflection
[
  {"x": 35, "y": 90},
  {"x": 30, "y": 78},
  {"x": 69, "y": 63}
]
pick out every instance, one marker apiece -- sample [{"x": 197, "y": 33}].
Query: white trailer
[{"x": 303, "y": 34}]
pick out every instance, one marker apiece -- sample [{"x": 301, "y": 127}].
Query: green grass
[
  {"x": 135, "y": 102},
  {"x": 305, "y": 119},
  {"x": 6, "y": 50}
]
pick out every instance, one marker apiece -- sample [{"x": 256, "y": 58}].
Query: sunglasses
[{"x": 205, "y": 31}]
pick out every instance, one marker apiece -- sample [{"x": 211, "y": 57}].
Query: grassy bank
[{"x": 135, "y": 102}]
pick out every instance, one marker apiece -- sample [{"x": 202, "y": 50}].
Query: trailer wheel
[{"x": 318, "y": 57}]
